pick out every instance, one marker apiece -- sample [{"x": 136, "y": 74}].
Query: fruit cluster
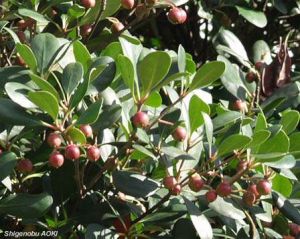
[{"x": 72, "y": 151}]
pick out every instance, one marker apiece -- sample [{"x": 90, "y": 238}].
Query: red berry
[
  {"x": 251, "y": 76},
  {"x": 93, "y": 153},
  {"x": 21, "y": 36},
  {"x": 85, "y": 30},
  {"x": 25, "y": 166},
  {"x": 72, "y": 152},
  {"x": 127, "y": 4},
  {"x": 242, "y": 165},
  {"x": 259, "y": 65},
  {"x": 122, "y": 227},
  {"x": 240, "y": 105},
  {"x": 1, "y": 151},
  {"x": 169, "y": 182},
  {"x": 249, "y": 198},
  {"x": 264, "y": 187},
  {"x": 88, "y": 3},
  {"x": 224, "y": 189},
  {"x": 117, "y": 27},
  {"x": 196, "y": 183},
  {"x": 140, "y": 119},
  {"x": 176, "y": 190},
  {"x": 54, "y": 140},
  {"x": 86, "y": 130},
  {"x": 252, "y": 188},
  {"x": 211, "y": 196},
  {"x": 177, "y": 15},
  {"x": 56, "y": 159},
  {"x": 179, "y": 134},
  {"x": 21, "y": 24},
  {"x": 294, "y": 229}
]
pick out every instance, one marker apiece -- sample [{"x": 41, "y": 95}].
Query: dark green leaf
[{"x": 8, "y": 161}]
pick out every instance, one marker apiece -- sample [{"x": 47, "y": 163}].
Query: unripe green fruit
[
  {"x": 56, "y": 159},
  {"x": 224, "y": 189},
  {"x": 264, "y": 187},
  {"x": 196, "y": 183},
  {"x": 177, "y": 15},
  {"x": 211, "y": 196},
  {"x": 140, "y": 120},
  {"x": 72, "y": 152}
]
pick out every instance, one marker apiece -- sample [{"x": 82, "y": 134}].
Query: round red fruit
[
  {"x": 117, "y": 27},
  {"x": 252, "y": 188},
  {"x": 196, "y": 183},
  {"x": 21, "y": 24},
  {"x": 176, "y": 190},
  {"x": 86, "y": 130},
  {"x": 122, "y": 226},
  {"x": 72, "y": 152},
  {"x": 93, "y": 153},
  {"x": 251, "y": 77},
  {"x": 85, "y": 30},
  {"x": 294, "y": 229},
  {"x": 249, "y": 198},
  {"x": 54, "y": 140},
  {"x": 25, "y": 166},
  {"x": 140, "y": 120},
  {"x": 259, "y": 65},
  {"x": 169, "y": 182},
  {"x": 21, "y": 36},
  {"x": 88, "y": 3},
  {"x": 224, "y": 189},
  {"x": 179, "y": 133},
  {"x": 211, "y": 196},
  {"x": 177, "y": 15},
  {"x": 240, "y": 105},
  {"x": 127, "y": 4},
  {"x": 264, "y": 187},
  {"x": 56, "y": 159}
]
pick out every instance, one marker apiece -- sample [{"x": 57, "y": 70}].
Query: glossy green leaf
[
  {"x": 81, "y": 54},
  {"x": 207, "y": 74},
  {"x": 44, "y": 85},
  {"x": 196, "y": 107},
  {"x": 90, "y": 115},
  {"x": 255, "y": 17},
  {"x": 12, "y": 113},
  {"x": 76, "y": 135},
  {"x": 200, "y": 222},
  {"x": 33, "y": 15},
  {"x": 222, "y": 206},
  {"x": 27, "y": 55},
  {"x": 259, "y": 137},
  {"x": 282, "y": 185},
  {"x": 133, "y": 184},
  {"x": 152, "y": 70},
  {"x": 233, "y": 142},
  {"x": 226, "y": 118},
  {"x": 26, "y": 205},
  {"x": 45, "y": 47},
  {"x": 290, "y": 120},
  {"x": 286, "y": 162},
  {"x": 71, "y": 77},
  {"x": 154, "y": 100},
  {"x": 46, "y": 102},
  {"x": 8, "y": 161}
]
